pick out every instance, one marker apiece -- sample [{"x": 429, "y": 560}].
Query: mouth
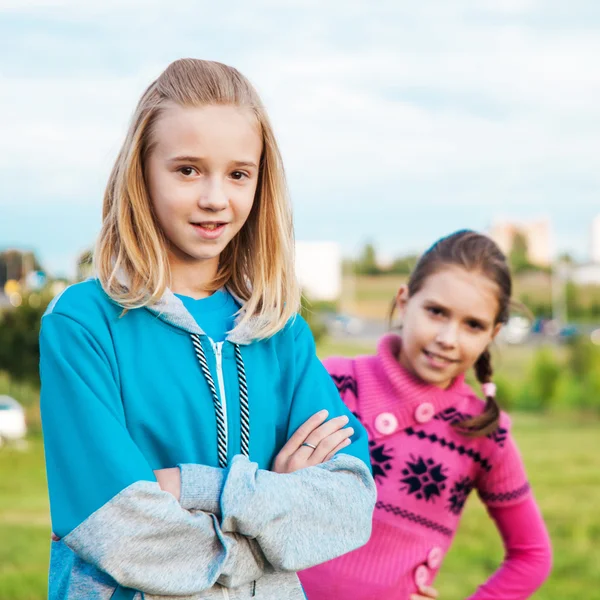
[
  {"x": 210, "y": 225},
  {"x": 209, "y": 230},
  {"x": 439, "y": 359}
]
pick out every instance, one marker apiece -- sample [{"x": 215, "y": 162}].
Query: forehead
[
  {"x": 467, "y": 293},
  {"x": 195, "y": 131}
]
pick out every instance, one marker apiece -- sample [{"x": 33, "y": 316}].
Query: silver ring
[{"x": 309, "y": 445}]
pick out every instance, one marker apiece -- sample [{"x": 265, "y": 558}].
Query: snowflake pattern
[
  {"x": 344, "y": 383},
  {"x": 499, "y": 436},
  {"x": 380, "y": 461},
  {"x": 458, "y": 495},
  {"x": 454, "y": 417},
  {"x": 424, "y": 478}
]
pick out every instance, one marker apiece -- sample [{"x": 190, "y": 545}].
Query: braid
[
  {"x": 487, "y": 422},
  {"x": 483, "y": 367}
]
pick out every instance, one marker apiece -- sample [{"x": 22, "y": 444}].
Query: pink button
[
  {"x": 421, "y": 575},
  {"x": 434, "y": 558},
  {"x": 424, "y": 412},
  {"x": 386, "y": 423}
]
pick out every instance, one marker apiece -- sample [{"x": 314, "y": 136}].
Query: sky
[{"x": 398, "y": 121}]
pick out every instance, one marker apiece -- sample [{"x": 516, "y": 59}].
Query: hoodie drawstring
[{"x": 219, "y": 412}]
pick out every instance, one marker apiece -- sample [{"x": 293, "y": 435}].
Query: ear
[
  {"x": 496, "y": 330},
  {"x": 402, "y": 299}
]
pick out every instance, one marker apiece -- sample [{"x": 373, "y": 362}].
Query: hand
[
  {"x": 425, "y": 593},
  {"x": 328, "y": 438},
  {"x": 169, "y": 481}
]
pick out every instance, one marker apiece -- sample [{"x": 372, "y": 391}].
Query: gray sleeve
[
  {"x": 145, "y": 540},
  {"x": 299, "y": 519}
]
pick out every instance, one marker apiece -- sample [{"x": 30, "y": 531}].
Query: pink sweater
[{"x": 424, "y": 471}]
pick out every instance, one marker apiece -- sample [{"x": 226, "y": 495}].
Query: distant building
[
  {"x": 319, "y": 269},
  {"x": 596, "y": 239},
  {"x": 18, "y": 266},
  {"x": 537, "y": 233},
  {"x": 586, "y": 274}
]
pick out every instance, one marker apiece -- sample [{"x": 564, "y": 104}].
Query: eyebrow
[
  {"x": 176, "y": 159},
  {"x": 438, "y": 304},
  {"x": 196, "y": 159}
]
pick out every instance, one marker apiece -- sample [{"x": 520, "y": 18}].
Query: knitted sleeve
[
  {"x": 528, "y": 559},
  {"x": 502, "y": 480}
]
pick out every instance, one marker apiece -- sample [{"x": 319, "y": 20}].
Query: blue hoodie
[{"x": 123, "y": 395}]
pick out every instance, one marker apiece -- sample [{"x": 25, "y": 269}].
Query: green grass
[
  {"x": 24, "y": 523},
  {"x": 561, "y": 454},
  {"x": 562, "y": 461},
  {"x": 331, "y": 347},
  {"x": 370, "y": 296},
  {"x": 564, "y": 468}
]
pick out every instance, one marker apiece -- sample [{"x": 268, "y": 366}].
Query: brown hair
[
  {"x": 257, "y": 265},
  {"x": 473, "y": 252}
]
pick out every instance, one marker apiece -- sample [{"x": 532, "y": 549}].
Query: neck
[{"x": 192, "y": 278}]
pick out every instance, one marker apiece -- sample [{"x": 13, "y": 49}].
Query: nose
[
  {"x": 213, "y": 197},
  {"x": 447, "y": 335}
]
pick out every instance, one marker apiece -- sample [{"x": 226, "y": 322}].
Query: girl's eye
[
  {"x": 475, "y": 325},
  {"x": 187, "y": 171},
  {"x": 435, "y": 311},
  {"x": 238, "y": 175}
]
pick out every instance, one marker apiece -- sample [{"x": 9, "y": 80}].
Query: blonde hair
[{"x": 257, "y": 266}]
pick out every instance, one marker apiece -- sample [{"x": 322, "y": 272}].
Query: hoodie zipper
[{"x": 218, "y": 350}]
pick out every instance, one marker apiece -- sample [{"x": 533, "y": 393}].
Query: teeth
[{"x": 210, "y": 226}]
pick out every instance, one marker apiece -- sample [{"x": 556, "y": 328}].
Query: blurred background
[{"x": 399, "y": 122}]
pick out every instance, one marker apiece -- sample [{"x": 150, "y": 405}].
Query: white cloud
[{"x": 498, "y": 98}]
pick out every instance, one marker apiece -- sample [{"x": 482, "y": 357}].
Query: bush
[
  {"x": 311, "y": 314},
  {"x": 583, "y": 356},
  {"x": 19, "y": 333},
  {"x": 539, "y": 387},
  {"x": 569, "y": 384},
  {"x": 505, "y": 392}
]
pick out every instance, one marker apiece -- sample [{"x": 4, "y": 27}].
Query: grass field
[
  {"x": 370, "y": 296},
  {"x": 24, "y": 523},
  {"x": 564, "y": 467},
  {"x": 561, "y": 454},
  {"x": 562, "y": 461}
]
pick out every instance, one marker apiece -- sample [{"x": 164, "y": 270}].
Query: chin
[
  {"x": 200, "y": 254},
  {"x": 430, "y": 380},
  {"x": 435, "y": 378}
]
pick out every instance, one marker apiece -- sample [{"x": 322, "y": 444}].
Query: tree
[
  {"x": 566, "y": 258},
  {"x": 367, "y": 261},
  {"x": 19, "y": 347},
  {"x": 404, "y": 265},
  {"x": 519, "y": 253}
]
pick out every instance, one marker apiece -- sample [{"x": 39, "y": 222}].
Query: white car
[
  {"x": 12, "y": 420},
  {"x": 517, "y": 330}
]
